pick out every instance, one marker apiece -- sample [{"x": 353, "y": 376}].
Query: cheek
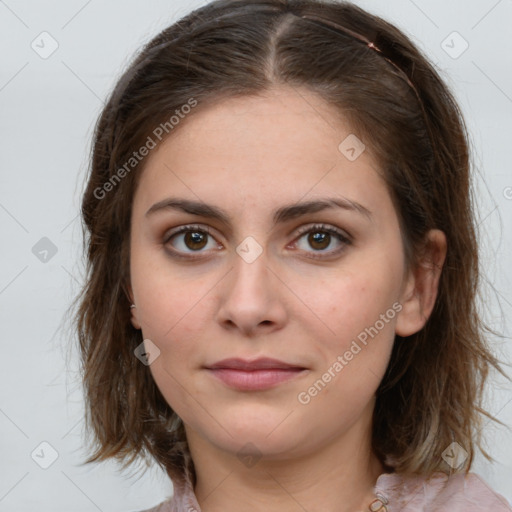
[
  {"x": 176, "y": 324},
  {"x": 355, "y": 354},
  {"x": 166, "y": 296},
  {"x": 358, "y": 312},
  {"x": 347, "y": 302},
  {"x": 171, "y": 379},
  {"x": 174, "y": 314}
]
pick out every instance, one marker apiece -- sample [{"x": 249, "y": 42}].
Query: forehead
[
  {"x": 283, "y": 121},
  {"x": 283, "y": 144}
]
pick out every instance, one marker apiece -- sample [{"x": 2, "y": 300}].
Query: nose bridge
[
  {"x": 250, "y": 297},
  {"x": 250, "y": 272}
]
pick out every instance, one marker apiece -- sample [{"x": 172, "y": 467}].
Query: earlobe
[
  {"x": 133, "y": 309},
  {"x": 134, "y": 320},
  {"x": 421, "y": 286}
]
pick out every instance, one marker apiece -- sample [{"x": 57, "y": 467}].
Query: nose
[{"x": 252, "y": 297}]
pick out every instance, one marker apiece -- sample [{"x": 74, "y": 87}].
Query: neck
[{"x": 337, "y": 476}]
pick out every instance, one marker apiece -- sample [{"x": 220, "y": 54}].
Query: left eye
[{"x": 320, "y": 237}]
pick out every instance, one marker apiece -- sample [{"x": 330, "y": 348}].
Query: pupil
[
  {"x": 319, "y": 237},
  {"x": 192, "y": 238}
]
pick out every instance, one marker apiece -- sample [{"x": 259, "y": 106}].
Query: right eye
[{"x": 188, "y": 240}]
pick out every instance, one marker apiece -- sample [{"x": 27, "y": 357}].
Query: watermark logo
[
  {"x": 44, "y": 250},
  {"x": 249, "y": 455},
  {"x": 454, "y": 45},
  {"x": 249, "y": 250},
  {"x": 351, "y": 147},
  {"x": 454, "y": 455},
  {"x": 147, "y": 352},
  {"x": 44, "y": 455},
  {"x": 45, "y": 45}
]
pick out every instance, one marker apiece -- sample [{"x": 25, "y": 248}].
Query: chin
[
  {"x": 266, "y": 434},
  {"x": 257, "y": 445}
]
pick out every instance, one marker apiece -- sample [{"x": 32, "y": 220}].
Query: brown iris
[
  {"x": 195, "y": 239},
  {"x": 319, "y": 237}
]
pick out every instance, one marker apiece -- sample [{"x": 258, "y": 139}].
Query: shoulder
[
  {"x": 182, "y": 500},
  {"x": 440, "y": 492},
  {"x": 168, "y": 505}
]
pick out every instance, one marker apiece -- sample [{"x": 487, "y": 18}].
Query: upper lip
[{"x": 263, "y": 363}]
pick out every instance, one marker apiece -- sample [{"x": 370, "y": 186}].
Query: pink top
[{"x": 439, "y": 493}]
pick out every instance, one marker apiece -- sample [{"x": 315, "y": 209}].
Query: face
[{"x": 318, "y": 288}]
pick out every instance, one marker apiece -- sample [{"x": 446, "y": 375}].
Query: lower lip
[{"x": 255, "y": 380}]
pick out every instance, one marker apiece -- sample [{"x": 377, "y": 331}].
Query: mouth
[{"x": 257, "y": 375}]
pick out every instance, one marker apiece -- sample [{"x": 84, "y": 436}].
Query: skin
[{"x": 250, "y": 156}]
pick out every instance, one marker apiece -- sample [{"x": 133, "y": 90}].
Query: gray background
[{"x": 48, "y": 107}]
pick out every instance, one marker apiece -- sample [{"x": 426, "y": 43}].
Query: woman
[{"x": 280, "y": 307}]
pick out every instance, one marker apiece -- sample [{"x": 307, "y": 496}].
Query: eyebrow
[{"x": 281, "y": 215}]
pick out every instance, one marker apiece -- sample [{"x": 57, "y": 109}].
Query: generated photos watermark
[
  {"x": 152, "y": 141},
  {"x": 305, "y": 397}
]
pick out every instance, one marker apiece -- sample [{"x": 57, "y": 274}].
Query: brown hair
[{"x": 400, "y": 108}]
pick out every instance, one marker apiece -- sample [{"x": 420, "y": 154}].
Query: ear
[
  {"x": 420, "y": 288},
  {"x": 133, "y": 311}
]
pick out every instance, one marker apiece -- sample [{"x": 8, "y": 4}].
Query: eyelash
[{"x": 342, "y": 237}]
